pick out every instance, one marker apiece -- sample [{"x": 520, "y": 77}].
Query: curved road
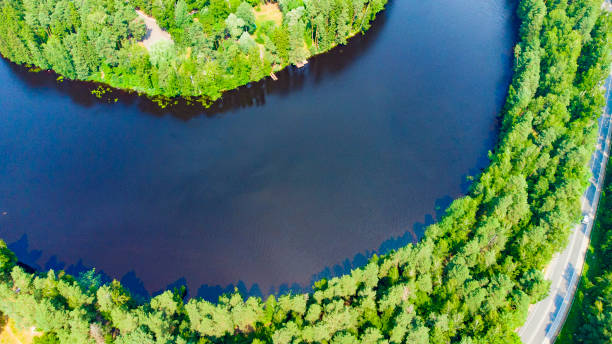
[{"x": 546, "y": 317}]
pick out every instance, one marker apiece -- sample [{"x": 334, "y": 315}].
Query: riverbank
[{"x": 213, "y": 51}]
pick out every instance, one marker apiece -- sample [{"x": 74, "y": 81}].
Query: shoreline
[{"x": 98, "y": 87}]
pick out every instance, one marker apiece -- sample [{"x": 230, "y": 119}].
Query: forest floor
[
  {"x": 154, "y": 33},
  {"x": 9, "y": 334}
]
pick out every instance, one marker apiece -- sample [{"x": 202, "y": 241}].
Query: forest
[
  {"x": 216, "y": 45},
  {"x": 469, "y": 280},
  {"x": 590, "y": 319}
]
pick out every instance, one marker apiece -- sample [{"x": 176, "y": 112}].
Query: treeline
[
  {"x": 471, "y": 278},
  {"x": 590, "y": 319},
  {"x": 216, "y": 45}
]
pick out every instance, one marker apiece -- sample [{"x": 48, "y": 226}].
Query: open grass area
[
  {"x": 269, "y": 12},
  {"x": 267, "y": 16}
]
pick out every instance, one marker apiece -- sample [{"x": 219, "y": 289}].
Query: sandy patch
[
  {"x": 9, "y": 334},
  {"x": 154, "y": 32}
]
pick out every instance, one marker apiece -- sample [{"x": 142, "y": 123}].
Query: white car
[{"x": 586, "y": 219}]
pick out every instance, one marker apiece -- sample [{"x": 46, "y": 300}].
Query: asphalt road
[{"x": 546, "y": 318}]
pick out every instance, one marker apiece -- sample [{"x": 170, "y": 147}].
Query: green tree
[
  {"x": 245, "y": 12},
  {"x": 181, "y": 14},
  {"x": 235, "y": 26},
  {"x": 59, "y": 57}
]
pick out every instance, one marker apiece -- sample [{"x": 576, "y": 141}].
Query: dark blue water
[{"x": 281, "y": 180}]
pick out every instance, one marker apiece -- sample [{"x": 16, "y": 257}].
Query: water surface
[{"x": 281, "y": 180}]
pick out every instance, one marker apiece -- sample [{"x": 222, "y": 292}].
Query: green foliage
[
  {"x": 245, "y": 12},
  {"x": 471, "y": 278},
  {"x": 47, "y": 338},
  {"x": 7, "y": 260},
  {"x": 235, "y": 26}
]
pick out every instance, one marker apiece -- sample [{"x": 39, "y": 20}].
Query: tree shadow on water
[
  {"x": 413, "y": 236},
  {"x": 21, "y": 248},
  {"x": 131, "y": 281},
  {"x": 29, "y": 260}
]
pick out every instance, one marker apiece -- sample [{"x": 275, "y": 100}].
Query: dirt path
[{"x": 154, "y": 32}]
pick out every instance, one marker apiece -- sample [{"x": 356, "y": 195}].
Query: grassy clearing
[
  {"x": 267, "y": 17},
  {"x": 269, "y": 12}
]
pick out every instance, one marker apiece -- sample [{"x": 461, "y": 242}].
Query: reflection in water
[{"x": 365, "y": 145}]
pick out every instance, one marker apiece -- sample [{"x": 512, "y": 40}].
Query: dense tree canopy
[
  {"x": 217, "y": 44},
  {"x": 470, "y": 279}
]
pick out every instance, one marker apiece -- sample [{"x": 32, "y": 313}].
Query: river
[{"x": 280, "y": 182}]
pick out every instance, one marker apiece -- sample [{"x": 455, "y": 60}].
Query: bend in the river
[{"x": 290, "y": 179}]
